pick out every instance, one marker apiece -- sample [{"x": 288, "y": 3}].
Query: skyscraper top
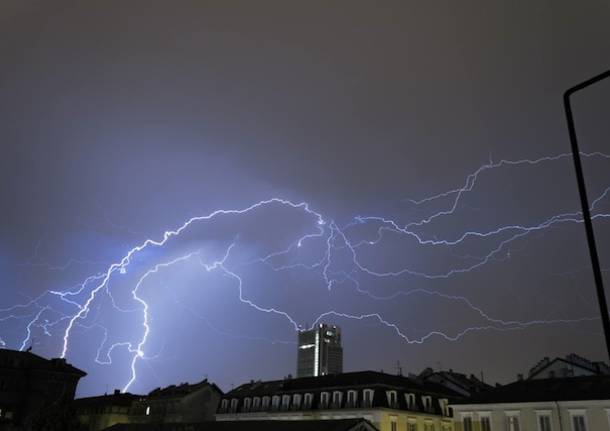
[{"x": 320, "y": 352}]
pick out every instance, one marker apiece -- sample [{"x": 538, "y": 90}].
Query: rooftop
[
  {"x": 368, "y": 379},
  {"x": 27, "y": 360},
  {"x": 541, "y": 390}
]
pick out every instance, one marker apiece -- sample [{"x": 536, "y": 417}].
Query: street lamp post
[{"x": 584, "y": 202}]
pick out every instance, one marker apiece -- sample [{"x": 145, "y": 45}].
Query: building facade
[
  {"x": 320, "y": 351},
  {"x": 389, "y": 402},
  {"x": 33, "y": 388},
  {"x": 559, "y": 404}
]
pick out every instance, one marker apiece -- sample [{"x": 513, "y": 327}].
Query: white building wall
[{"x": 596, "y": 412}]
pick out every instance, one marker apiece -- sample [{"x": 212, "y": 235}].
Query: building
[
  {"x": 389, "y": 402},
  {"x": 184, "y": 403},
  {"x": 457, "y": 382},
  {"x": 558, "y": 404},
  {"x": 98, "y": 413},
  {"x": 570, "y": 366},
  {"x": 33, "y": 388},
  {"x": 329, "y": 425},
  {"x": 320, "y": 351}
]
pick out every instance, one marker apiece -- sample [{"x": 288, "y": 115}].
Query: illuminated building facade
[
  {"x": 320, "y": 352},
  {"x": 388, "y": 402},
  {"x": 556, "y": 404}
]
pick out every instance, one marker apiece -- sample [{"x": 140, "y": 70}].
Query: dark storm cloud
[{"x": 123, "y": 119}]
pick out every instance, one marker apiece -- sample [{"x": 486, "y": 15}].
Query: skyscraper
[{"x": 320, "y": 351}]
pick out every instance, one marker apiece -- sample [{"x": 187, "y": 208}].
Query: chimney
[{"x": 117, "y": 392}]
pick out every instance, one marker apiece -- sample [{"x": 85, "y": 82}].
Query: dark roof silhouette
[
  {"x": 469, "y": 384},
  {"x": 182, "y": 389},
  {"x": 557, "y": 389},
  {"x": 115, "y": 399},
  {"x": 27, "y": 360},
  {"x": 363, "y": 379},
  {"x": 269, "y": 425},
  {"x": 572, "y": 360}
]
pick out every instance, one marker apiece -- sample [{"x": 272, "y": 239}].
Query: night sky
[{"x": 427, "y": 139}]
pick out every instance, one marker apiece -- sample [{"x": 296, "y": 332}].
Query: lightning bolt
[{"x": 336, "y": 238}]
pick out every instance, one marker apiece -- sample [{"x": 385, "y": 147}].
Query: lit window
[{"x": 147, "y": 410}]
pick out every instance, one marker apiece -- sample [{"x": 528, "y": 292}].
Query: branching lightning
[{"x": 58, "y": 312}]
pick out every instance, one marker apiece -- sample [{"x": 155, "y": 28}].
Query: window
[
  {"x": 367, "y": 398},
  {"x": 285, "y": 402},
  {"x": 337, "y": 396},
  {"x": 275, "y": 402},
  {"x": 428, "y": 426},
  {"x": 411, "y": 426},
  {"x": 392, "y": 399},
  {"x": 443, "y": 403},
  {"x": 485, "y": 423},
  {"x": 266, "y": 402},
  {"x": 393, "y": 423},
  {"x": 247, "y": 404},
  {"x": 296, "y": 401},
  {"x": 324, "y": 396},
  {"x": 512, "y": 422},
  {"x": 223, "y": 405},
  {"x": 147, "y": 410},
  {"x": 256, "y": 404},
  {"x": 427, "y": 402},
  {"x": 578, "y": 422},
  {"x": 352, "y": 399},
  {"x": 410, "y": 399},
  {"x": 308, "y": 401},
  {"x": 544, "y": 421},
  {"x": 467, "y": 423},
  {"x": 234, "y": 403}
]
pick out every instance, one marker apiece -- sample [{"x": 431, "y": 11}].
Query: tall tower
[{"x": 320, "y": 351}]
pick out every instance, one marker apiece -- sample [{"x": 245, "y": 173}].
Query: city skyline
[{"x": 187, "y": 187}]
